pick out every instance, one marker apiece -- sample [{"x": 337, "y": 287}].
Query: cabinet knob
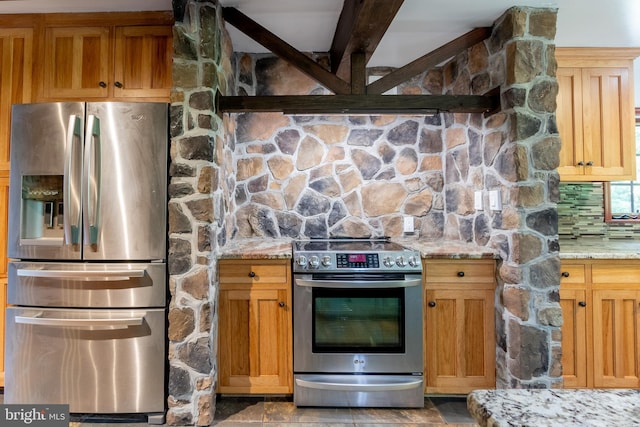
[
  {"x": 460, "y": 273},
  {"x": 565, "y": 274},
  {"x": 580, "y": 163},
  {"x": 118, "y": 85},
  {"x": 252, "y": 274},
  {"x": 582, "y": 304},
  {"x": 281, "y": 304},
  {"x": 102, "y": 84},
  {"x": 431, "y": 303},
  {"x": 589, "y": 163}
]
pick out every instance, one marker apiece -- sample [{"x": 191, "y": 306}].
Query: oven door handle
[
  {"x": 334, "y": 386},
  {"x": 364, "y": 283}
]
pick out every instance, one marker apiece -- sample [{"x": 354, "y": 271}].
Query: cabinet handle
[
  {"x": 580, "y": 163},
  {"x": 589, "y": 163},
  {"x": 102, "y": 84},
  {"x": 582, "y": 304},
  {"x": 431, "y": 303},
  {"x": 565, "y": 274},
  {"x": 252, "y": 274},
  {"x": 460, "y": 273},
  {"x": 281, "y": 304},
  {"x": 118, "y": 85}
]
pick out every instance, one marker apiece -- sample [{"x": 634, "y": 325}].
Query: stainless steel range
[{"x": 357, "y": 324}]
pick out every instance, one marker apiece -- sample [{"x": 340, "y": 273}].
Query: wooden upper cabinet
[
  {"x": 76, "y": 62},
  {"x": 106, "y": 57},
  {"x": 595, "y": 114},
  {"x": 143, "y": 60},
  {"x": 16, "y": 50}
]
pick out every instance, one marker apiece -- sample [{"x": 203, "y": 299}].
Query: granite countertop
[
  {"x": 267, "y": 248},
  {"x": 556, "y": 407},
  {"x": 257, "y": 248},
  {"x": 596, "y": 248}
]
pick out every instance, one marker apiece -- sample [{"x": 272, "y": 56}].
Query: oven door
[{"x": 366, "y": 324}]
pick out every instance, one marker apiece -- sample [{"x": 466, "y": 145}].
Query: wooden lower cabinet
[
  {"x": 459, "y": 325},
  {"x": 600, "y": 302},
  {"x": 255, "y": 327},
  {"x": 616, "y": 338}
]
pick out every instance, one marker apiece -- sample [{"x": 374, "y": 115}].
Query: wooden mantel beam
[
  {"x": 284, "y": 50},
  {"x": 359, "y": 104}
]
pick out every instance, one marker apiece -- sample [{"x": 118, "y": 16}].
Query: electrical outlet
[
  {"x": 408, "y": 224},
  {"x": 477, "y": 200}
]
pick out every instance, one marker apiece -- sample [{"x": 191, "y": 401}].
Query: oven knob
[
  {"x": 326, "y": 261},
  {"x": 400, "y": 261},
  {"x": 388, "y": 261},
  {"x": 302, "y": 261},
  {"x": 314, "y": 262},
  {"x": 413, "y": 262}
]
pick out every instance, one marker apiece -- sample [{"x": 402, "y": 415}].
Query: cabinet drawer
[
  {"x": 572, "y": 274},
  {"x": 251, "y": 272},
  {"x": 612, "y": 274},
  {"x": 471, "y": 271}
]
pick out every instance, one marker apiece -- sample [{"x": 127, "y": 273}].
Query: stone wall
[
  {"x": 313, "y": 176},
  {"x": 198, "y": 207}
]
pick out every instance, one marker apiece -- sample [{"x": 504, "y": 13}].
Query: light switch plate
[
  {"x": 477, "y": 200},
  {"x": 495, "y": 200}
]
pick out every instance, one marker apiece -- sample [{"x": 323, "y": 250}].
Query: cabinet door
[
  {"x": 77, "y": 62},
  {"x": 255, "y": 341},
  {"x": 608, "y": 123},
  {"x": 4, "y": 211},
  {"x": 16, "y": 45},
  {"x": 459, "y": 340},
  {"x": 574, "y": 332},
  {"x": 616, "y": 332},
  {"x": 143, "y": 61},
  {"x": 3, "y": 304},
  {"x": 569, "y": 118}
]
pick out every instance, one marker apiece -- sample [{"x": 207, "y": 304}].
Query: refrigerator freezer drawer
[
  {"x": 97, "y": 361},
  {"x": 51, "y": 284}
]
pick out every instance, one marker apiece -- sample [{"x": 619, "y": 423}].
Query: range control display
[{"x": 357, "y": 260}]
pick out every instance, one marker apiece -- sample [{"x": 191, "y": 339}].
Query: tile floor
[
  {"x": 274, "y": 412},
  {"x": 281, "y": 412}
]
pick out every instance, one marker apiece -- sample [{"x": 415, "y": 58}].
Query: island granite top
[{"x": 556, "y": 407}]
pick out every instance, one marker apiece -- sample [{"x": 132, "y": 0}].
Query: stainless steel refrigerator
[{"x": 87, "y": 248}]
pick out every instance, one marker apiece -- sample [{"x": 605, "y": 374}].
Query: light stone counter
[
  {"x": 257, "y": 248},
  {"x": 566, "y": 408},
  {"x": 448, "y": 249},
  {"x": 599, "y": 249},
  {"x": 267, "y": 248}
]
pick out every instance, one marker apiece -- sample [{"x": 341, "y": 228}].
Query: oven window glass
[{"x": 358, "y": 320}]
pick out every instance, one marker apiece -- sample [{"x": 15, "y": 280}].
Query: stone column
[
  {"x": 528, "y": 314},
  {"x": 198, "y": 204}
]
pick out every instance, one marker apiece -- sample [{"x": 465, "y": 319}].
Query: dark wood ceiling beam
[
  {"x": 284, "y": 50},
  {"x": 429, "y": 60},
  {"x": 359, "y": 104},
  {"x": 360, "y": 28}
]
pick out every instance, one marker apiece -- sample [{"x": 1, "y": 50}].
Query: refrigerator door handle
[
  {"x": 71, "y": 198},
  {"x": 92, "y": 164},
  {"x": 104, "y": 276},
  {"x": 115, "y": 323}
]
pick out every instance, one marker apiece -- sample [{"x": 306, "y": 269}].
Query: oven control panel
[{"x": 408, "y": 261}]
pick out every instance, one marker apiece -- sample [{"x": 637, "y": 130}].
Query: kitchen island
[{"x": 566, "y": 408}]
